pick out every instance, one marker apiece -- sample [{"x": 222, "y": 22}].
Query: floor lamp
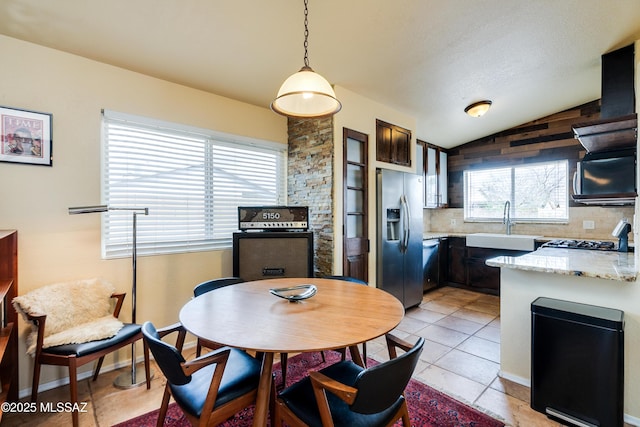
[{"x": 124, "y": 380}]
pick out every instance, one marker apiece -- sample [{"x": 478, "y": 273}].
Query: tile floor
[{"x": 461, "y": 358}]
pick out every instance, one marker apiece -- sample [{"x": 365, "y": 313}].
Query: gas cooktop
[{"x": 581, "y": 244}]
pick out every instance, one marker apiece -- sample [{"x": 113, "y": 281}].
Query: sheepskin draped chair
[{"x": 74, "y": 323}]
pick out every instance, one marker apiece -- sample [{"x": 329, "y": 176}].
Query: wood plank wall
[{"x": 545, "y": 139}]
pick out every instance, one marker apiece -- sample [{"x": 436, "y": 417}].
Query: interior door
[{"x": 355, "y": 220}]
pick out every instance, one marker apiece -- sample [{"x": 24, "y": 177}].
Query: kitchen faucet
[{"x": 506, "y": 216}]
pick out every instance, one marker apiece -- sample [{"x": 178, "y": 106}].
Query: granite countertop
[{"x": 609, "y": 265}]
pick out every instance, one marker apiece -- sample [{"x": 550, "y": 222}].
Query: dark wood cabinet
[
  {"x": 481, "y": 276},
  {"x": 457, "y": 261},
  {"x": 393, "y": 144},
  {"x": 434, "y": 171},
  {"x": 9, "y": 326},
  {"x": 468, "y": 269},
  {"x": 443, "y": 261}
]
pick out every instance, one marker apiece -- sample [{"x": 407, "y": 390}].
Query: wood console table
[{"x": 9, "y": 320}]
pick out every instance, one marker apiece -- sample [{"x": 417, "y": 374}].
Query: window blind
[{"x": 191, "y": 180}]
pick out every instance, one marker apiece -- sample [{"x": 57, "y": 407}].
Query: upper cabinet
[
  {"x": 393, "y": 144},
  {"x": 434, "y": 169}
]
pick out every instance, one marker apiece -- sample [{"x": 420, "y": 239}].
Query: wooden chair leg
[
  {"x": 73, "y": 386},
  {"x": 283, "y": 365},
  {"x": 198, "y": 348},
  {"x": 364, "y": 353},
  {"x": 147, "y": 367},
  {"x": 272, "y": 402},
  {"x": 164, "y": 406},
  {"x": 277, "y": 413},
  {"x": 343, "y": 353},
  {"x": 406, "y": 422},
  {"x": 36, "y": 381},
  {"x": 96, "y": 372}
]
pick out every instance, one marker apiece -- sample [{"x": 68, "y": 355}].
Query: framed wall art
[{"x": 25, "y": 137}]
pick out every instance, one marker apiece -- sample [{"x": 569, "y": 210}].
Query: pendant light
[{"x": 306, "y": 93}]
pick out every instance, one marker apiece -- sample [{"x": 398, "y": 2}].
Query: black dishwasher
[
  {"x": 430, "y": 264},
  {"x": 577, "y": 362}
]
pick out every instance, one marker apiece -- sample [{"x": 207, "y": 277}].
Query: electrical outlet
[
  {"x": 454, "y": 222},
  {"x": 588, "y": 225}
]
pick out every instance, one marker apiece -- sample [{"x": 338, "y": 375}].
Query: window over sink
[{"x": 536, "y": 192}]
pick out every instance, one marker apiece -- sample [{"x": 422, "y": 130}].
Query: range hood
[{"x": 618, "y": 124}]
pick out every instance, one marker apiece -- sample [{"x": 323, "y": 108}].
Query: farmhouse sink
[{"x": 514, "y": 242}]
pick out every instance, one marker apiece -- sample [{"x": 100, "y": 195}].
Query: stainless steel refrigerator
[{"x": 399, "y": 235}]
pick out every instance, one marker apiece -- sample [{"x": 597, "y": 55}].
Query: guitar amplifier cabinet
[{"x": 272, "y": 254}]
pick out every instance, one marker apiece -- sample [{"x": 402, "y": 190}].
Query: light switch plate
[{"x": 588, "y": 225}]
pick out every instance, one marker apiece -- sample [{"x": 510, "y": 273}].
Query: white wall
[
  {"x": 359, "y": 113},
  {"x": 53, "y": 246}
]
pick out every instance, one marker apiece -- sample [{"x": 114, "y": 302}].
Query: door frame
[{"x": 363, "y": 243}]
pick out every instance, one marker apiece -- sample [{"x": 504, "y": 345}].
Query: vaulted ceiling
[{"x": 426, "y": 58}]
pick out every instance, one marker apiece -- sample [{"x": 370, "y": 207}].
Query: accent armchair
[{"x": 72, "y": 324}]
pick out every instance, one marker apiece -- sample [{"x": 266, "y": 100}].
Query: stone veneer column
[{"x": 310, "y": 183}]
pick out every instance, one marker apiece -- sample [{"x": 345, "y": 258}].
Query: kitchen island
[{"x": 605, "y": 279}]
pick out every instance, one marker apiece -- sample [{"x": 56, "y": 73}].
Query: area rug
[{"x": 427, "y": 406}]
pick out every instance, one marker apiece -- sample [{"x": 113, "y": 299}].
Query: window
[
  {"x": 537, "y": 192},
  {"x": 191, "y": 180}
]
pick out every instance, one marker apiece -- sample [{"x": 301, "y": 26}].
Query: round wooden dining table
[{"x": 247, "y": 316}]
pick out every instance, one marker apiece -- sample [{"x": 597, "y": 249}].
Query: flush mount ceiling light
[
  {"x": 306, "y": 93},
  {"x": 477, "y": 109}
]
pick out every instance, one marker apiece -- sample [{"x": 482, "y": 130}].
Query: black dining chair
[
  {"x": 203, "y": 288},
  {"x": 210, "y": 285},
  {"x": 208, "y": 389},
  {"x": 347, "y": 395},
  {"x": 343, "y": 351}
]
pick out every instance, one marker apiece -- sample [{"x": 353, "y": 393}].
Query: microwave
[{"x": 606, "y": 178}]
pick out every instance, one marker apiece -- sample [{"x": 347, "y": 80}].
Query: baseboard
[
  {"x": 634, "y": 421},
  {"x": 516, "y": 379},
  {"x": 26, "y": 392}
]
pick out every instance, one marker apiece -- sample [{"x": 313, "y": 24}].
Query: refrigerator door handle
[{"x": 405, "y": 224}]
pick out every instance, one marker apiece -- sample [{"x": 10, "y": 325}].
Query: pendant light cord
[{"x": 306, "y": 33}]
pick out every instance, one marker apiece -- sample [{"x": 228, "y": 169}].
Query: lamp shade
[
  {"x": 477, "y": 109},
  {"x": 306, "y": 94}
]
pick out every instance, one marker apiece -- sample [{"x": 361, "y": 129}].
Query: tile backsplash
[{"x": 603, "y": 219}]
